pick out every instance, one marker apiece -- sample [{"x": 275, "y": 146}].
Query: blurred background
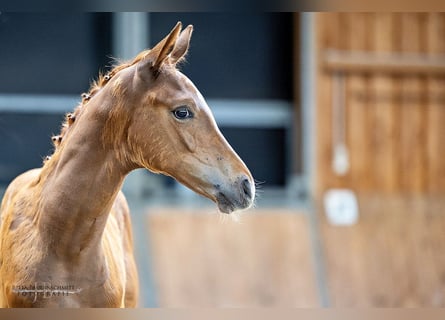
[{"x": 339, "y": 116}]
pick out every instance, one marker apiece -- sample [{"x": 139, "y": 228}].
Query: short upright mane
[{"x": 95, "y": 86}]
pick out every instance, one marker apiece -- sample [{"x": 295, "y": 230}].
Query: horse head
[{"x": 160, "y": 121}]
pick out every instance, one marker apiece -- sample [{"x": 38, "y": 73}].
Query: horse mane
[{"x": 95, "y": 86}]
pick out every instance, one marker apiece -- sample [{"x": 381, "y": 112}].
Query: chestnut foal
[{"x": 65, "y": 234}]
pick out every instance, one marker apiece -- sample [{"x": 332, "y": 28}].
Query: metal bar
[
  {"x": 130, "y": 34},
  {"x": 25, "y": 103},
  {"x": 252, "y": 113},
  {"x": 340, "y": 154},
  {"x": 392, "y": 63},
  {"x": 308, "y": 96}
]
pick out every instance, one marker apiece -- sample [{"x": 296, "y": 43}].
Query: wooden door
[{"x": 394, "y": 116}]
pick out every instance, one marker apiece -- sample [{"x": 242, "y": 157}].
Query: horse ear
[
  {"x": 165, "y": 47},
  {"x": 182, "y": 45}
]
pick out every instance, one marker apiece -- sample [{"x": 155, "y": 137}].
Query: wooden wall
[
  {"x": 393, "y": 257},
  {"x": 395, "y": 128},
  {"x": 201, "y": 261}
]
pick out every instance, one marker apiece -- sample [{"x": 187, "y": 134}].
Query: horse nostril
[{"x": 245, "y": 184}]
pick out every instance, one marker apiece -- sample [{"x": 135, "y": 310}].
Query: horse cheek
[{"x": 189, "y": 141}]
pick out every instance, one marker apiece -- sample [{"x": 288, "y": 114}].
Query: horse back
[{"x": 19, "y": 184}]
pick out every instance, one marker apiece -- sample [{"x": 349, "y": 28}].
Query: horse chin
[
  {"x": 224, "y": 204},
  {"x": 228, "y": 206},
  {"x": 229, "y": 198}
]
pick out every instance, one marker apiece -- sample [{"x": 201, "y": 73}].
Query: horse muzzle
[{"x": 236, "y": 196}]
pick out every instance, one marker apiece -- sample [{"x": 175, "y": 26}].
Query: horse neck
[{"x": 79, "y": 186}]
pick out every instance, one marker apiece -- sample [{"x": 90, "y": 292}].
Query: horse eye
[{"x": 182, "y": 113}]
